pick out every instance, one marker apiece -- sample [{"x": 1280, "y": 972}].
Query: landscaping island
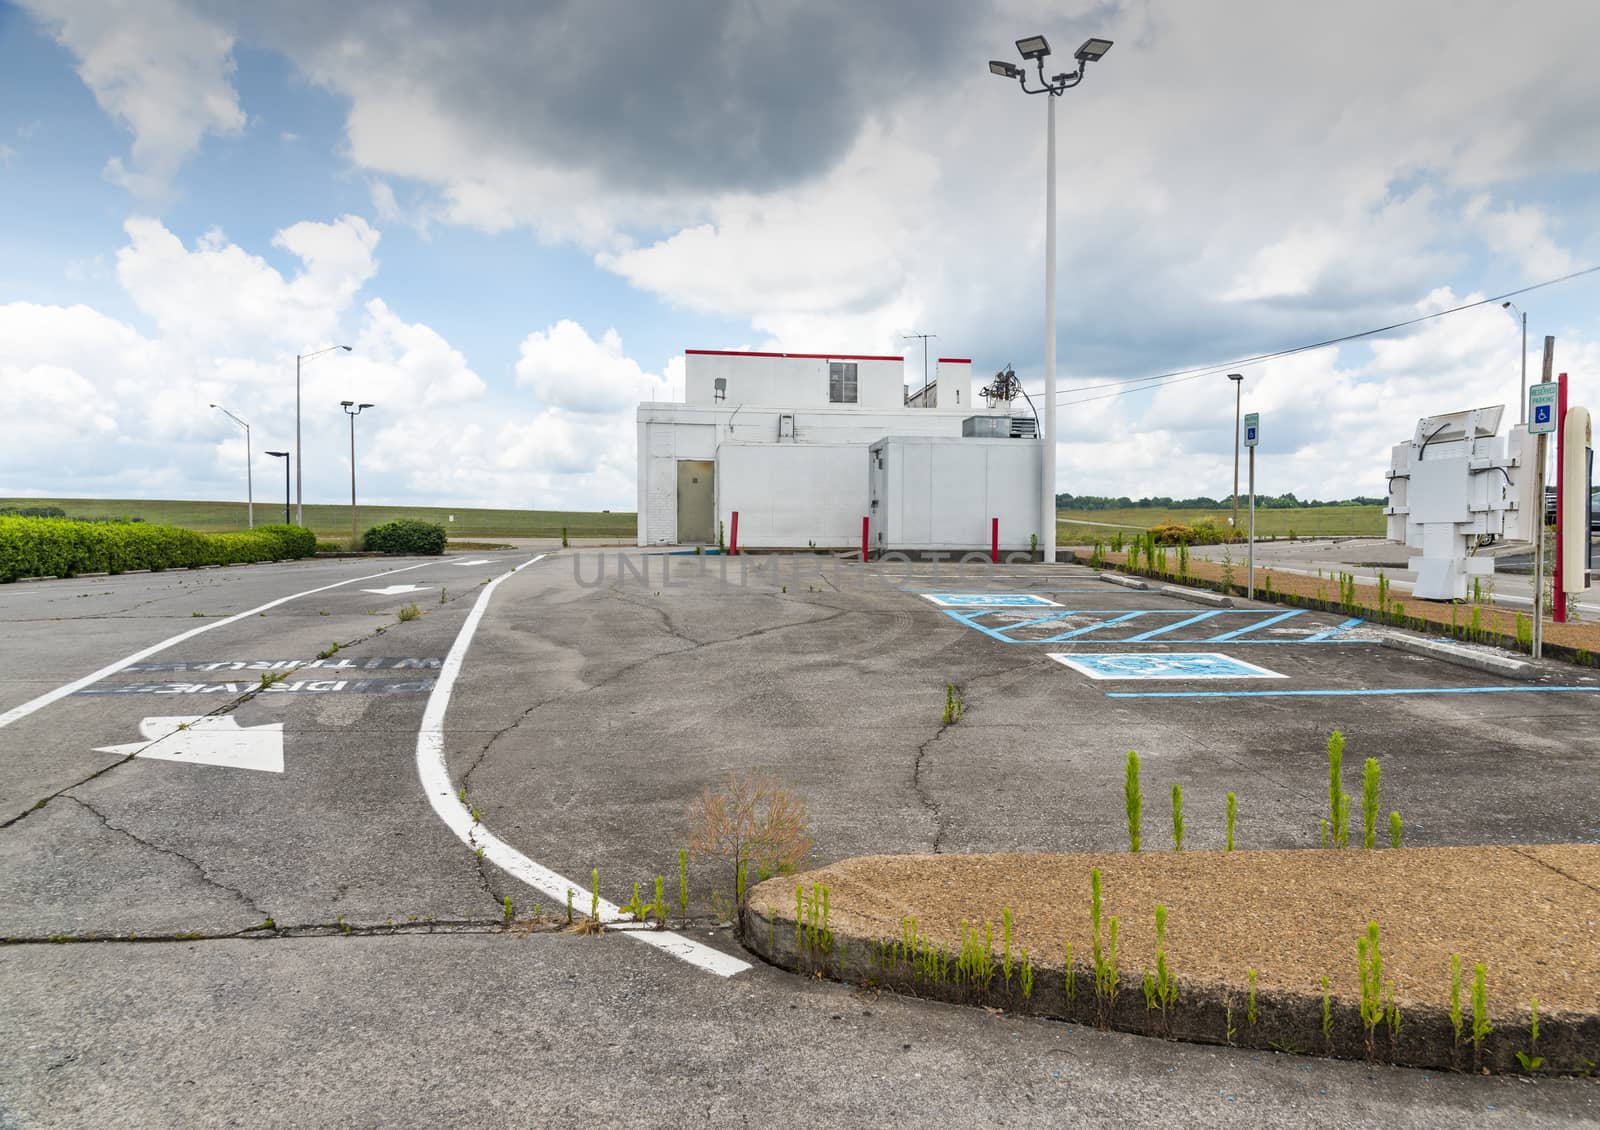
[{"x": 1249, "y": 937}]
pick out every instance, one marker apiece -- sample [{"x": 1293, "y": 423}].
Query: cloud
[
  {"x": 160, "y": 69},
  {"x": 570, "y": 371}
]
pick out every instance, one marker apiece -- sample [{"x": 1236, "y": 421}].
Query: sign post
[
  {"x": 1541, "y": 422},
  {"x": 1252, "y": 436}
]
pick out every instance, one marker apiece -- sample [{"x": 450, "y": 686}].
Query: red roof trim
[
  {"x": 809, "y": 356},
  {"x": 955, "y": 360}
]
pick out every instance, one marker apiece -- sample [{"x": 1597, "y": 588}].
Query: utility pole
[{"x": 924, "y": 338}]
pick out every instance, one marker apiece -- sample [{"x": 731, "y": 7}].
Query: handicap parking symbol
[
  {"x": 1187, "y": 665},
  {"x": 1541, "y": 414}
]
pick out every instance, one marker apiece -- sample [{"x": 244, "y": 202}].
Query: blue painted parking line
[
  {"x": 993, "y": 622},
  {"x": 1352, "y": 693},
  {"x": 989, "y": 600}
]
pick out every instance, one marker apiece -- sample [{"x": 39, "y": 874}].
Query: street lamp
[
  {"x": 249, "y": 487},
  {"x": 1238, "y": 391},
  {"x": 299, "y": 455},
  {"x": 284, "y": 455},
  {"x": 1035, "y": 48},
  {"x": 1522, "y": 411},
  {"x": 352, "y": 409}
]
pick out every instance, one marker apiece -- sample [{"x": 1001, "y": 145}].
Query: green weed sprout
[
  {"x": 1455, "y": 995},
  {"x": 1344, "y": 819},
  {"x": 1531, "y": 1060},
  {"x": 1391, "y": 1012},
  {"x": 1370, "y": 959},
  {"x": 1480, "y": 1014},
  {"x": 1250, "y": 998},
  {"x": 594, "y": 894},
  {"x": 1133, "y": 801},
  {"x": 660, "y": 904},
  {"x": 1324, "y": 832},
  {"x": 506, "y": 902},
  {"x": 1327, "y": 1016},
  {"x": 1026, "y": 975},
  {"x": 1394, "y": 829},
  {"x": 683, "y": 883},
  {"x": 1177, "y": 817},
  {"x": 1233, "y": 812},
  {"x": 569, "y": 906},
  {"x": 1335, "y": 785},
  {"x": 1005, "y": 923},
  {"x": 634, "y": 907},
  {"x": 1166, "y": 983},
  {"x": 1370, "y": 777},
  {"x": 954, "y": 708}
]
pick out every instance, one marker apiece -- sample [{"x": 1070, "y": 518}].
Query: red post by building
[
  {"x": 1559, "y": 613},
  {"x": 864, "y": 522},
  {"x": 733, "y": 541},
  {"x": 994, "y": 540}
]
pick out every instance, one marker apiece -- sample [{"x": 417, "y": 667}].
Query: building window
[{"x": 842, "y": 382}]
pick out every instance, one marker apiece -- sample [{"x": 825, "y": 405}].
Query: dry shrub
[{"x": 752, "y": 820}]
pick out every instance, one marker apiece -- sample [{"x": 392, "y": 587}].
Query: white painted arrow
[
  {"x": 396, "y": 590},
  {"x": 208, "y": 740},
  {"x": 463, "y": 564}
]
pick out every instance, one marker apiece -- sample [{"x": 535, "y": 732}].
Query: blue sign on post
[
  {"x": 1542, "y": 407},
  {"x": 1252, "y": 429}
]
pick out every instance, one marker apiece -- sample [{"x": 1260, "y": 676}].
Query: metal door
[{"x": 697, "y": 512}]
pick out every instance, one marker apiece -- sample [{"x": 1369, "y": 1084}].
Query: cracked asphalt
[{"x": 143, "y": 985}]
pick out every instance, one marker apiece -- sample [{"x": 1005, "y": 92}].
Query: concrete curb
[
  {"x": 1125, "y": 582},
  {"x": 1198, "y": 596},
  {"x": 1489, "y": 662}
]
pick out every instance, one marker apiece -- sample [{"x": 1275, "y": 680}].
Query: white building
[{"x": 783, "y": 439}]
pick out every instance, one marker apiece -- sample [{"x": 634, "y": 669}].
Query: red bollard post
[
  {"x": 733, "y": 542},
  {"x": 864, "y": 522},
  {"x": 1559, "y": 612},
  {"x": 994, "y": 540}
]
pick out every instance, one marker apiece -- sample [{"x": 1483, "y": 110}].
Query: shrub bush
[
  {"x": 406, "y": 535},
  {"x": 60, "y": 547}
]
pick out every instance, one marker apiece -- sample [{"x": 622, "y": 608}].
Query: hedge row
[
  {"x": 406, "y": 535},
  {"x": 56, "y": 547}
]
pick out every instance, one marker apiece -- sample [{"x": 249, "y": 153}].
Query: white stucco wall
[
  {"x": 793, "y": 379},
  {"x": 793, "y": 495}
]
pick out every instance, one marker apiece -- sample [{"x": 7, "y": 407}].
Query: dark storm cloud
[{"x": 672, "y": 94}]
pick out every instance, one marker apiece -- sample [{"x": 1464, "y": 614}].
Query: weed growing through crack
[
  {"x": 1337, "y": 805},
  {"x": 330, "y": 651},
  {"x": 1394, "y": 829},
  {"x": 954, "y": 708},
  {"x": 1324, "y": 833},
  {"x": 1177, "y": 817},
  {"x": 506, "y": 906},
  {"x": 1531, "y": 1060},
  {"x": 1132, "y": 801},
  {"x": 1228, "y": 1030},
  {"x": 633, "y": 907},
  {"x": 1391, "y": 1015},
  {"x": 1370, "y": 959},
  {"x": 409, "y": 612},
  {"x": 461, "y": 795},
  {"x": 1025, "y": 976},
  {"x": 1370, "y": 777},
  {"x": 442, "y": 591},
  {"x": 1250, "y": 999},
  {"x": 480, "y": 854},
  {"x": 1233, "y": 812},
  {"x": 1480, "y": 1014},
  {"x": 569, "y": 906}
]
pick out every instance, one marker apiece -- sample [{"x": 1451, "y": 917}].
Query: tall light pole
[
  {"x": 352, "y": 409},
  {"x": 284, "y": 455},
  {"x": 1238, "y": 391},
  {"x": 299, "y": 454},
  {"x": 249, "y": 487},
  {"x": 1036, "y": 49},
  {"x": 1522, "y": 410}
]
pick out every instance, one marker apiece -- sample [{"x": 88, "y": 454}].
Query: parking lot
[{"x": 578, "y": 706}]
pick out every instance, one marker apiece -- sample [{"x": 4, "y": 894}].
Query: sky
[{"x": 520, "y": 213}]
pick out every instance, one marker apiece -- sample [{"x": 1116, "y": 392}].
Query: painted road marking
[
  {"x": 989, "y": 600},
  {"x": 1351, "y": 694},
  {"x": 435, "y": 778},
  {"x": 296, "y": 686},
  {"x": 208, "y": 740},
  {"x": 464, "y": 564},
  {"x": 396, "y": 590},
  {"x": 376, "y": 663},
  {"x": 1002, "y": 624},
  {"x": 17, "y": 713},
  {"x": 1151, "y": 665}
]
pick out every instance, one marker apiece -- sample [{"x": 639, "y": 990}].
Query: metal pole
[
  {"x": 285, "y": 492},
  {"x": 1538, "y": 551},
  {"x": 1250, "y": 568},
  {"x": 249, "y": 485},
  {"x": 1523, "y": 415},
  {"x": 1238, "y": 392},
  {"x": 1047, "y": 535},
  {"x": 352, "y": 482},
  {"x": 299, "y": 497}
]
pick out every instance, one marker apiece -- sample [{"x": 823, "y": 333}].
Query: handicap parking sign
[
  {"x": 1542, "y": 407},
  {"x": 1541, "y": 414}
]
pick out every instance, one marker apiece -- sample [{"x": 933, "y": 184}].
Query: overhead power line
[{"x": 1127, "y": 385}]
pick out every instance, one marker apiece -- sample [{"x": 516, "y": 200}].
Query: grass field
[
  {"x": 1080, "y": 527},
  {"x": 333, "y": 522}
]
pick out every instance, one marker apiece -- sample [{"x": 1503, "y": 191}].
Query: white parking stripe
[
  {"x": 435, "y": 777},
  {"x": 19, "y": 712}
]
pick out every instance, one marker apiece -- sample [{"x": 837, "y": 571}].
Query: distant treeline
[
  {"x": 53, "y": 512},
  {"x": 1200, "y": 502}
]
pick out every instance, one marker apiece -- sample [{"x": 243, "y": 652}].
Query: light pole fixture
[
  {"x": 284, "y": 455},
  {"x": 1522, "y": 410},
  {"x": 1238, "y": 391},
  {"x": 1036, "y": 48},
  {"x": 352, "y": 409},
  {"x": 249, "y": 487},
  {"x": 299, "y": 456}
]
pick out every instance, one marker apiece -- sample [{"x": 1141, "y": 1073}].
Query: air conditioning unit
[
  {"x": 987, "y": 427},
  {"x": 1024, "y": 427}
]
